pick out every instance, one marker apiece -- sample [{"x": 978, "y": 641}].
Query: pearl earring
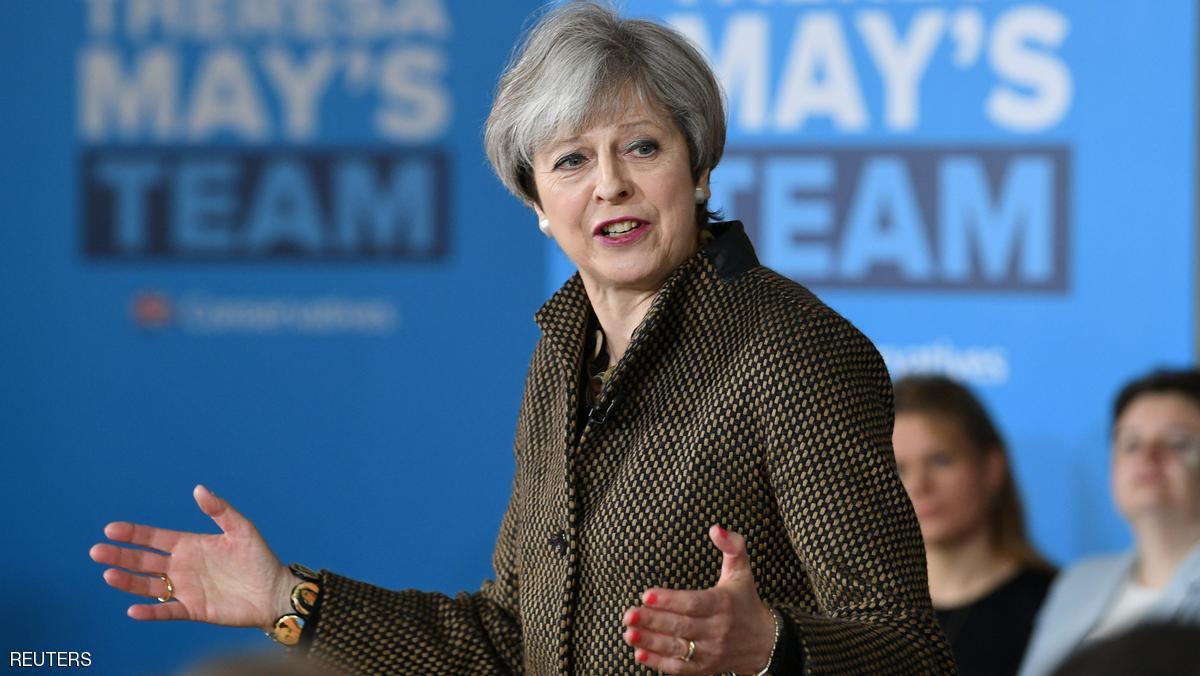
[
  {"x": 544, "y": 226},
  {"x": 701, "y": 195}
]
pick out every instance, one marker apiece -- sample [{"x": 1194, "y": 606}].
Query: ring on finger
[
  {"x": 170, "y": 589},
  {"x": 691, "y": 651}
]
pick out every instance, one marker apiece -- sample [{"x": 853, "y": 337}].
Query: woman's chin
[
  {"x": 1155, "y": 507},
  {"x": 947, "y": 534},
  {"x": 631, "y": 274}
]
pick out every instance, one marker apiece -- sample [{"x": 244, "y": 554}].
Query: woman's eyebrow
[{"x": 640, "y": 122}]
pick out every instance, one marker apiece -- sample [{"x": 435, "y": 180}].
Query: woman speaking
[{"x": 704, "y": 477}]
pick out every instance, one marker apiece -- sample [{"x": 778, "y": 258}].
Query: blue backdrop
[{"x": 257, "y": 245}]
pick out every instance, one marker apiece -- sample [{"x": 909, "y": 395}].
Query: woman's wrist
[
  {"x": 281, "y": 597},
  {"x": 769, "y": 637},
  {"x": 773, "y": 625}
]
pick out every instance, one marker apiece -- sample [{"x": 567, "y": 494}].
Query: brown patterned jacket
[{"x": 742, "y": 400}]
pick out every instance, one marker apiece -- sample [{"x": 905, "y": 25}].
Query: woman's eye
[
  {"x": 1181, "y": 444},
  {"x": 1128, "y": 445},
  {"x": 569, "y": 162},
  {"x": 643, "y": 148}
]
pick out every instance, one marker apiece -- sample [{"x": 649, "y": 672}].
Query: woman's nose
[
  {"x": 1148, "y": 446},
  {"x": 612, "y": 183}
]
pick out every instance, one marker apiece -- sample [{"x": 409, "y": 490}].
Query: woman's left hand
[{"x": 731, "y": 627}]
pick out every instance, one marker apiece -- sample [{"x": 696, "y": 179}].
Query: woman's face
[
  {"x": 620, "y": 199},
  {"x": 949, "y": 482},
  {"x": 1156, "y": 458}
]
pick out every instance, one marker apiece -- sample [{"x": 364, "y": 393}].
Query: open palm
[{"x": 232, "y": 579}]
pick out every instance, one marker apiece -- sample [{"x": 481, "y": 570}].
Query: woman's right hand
[{"x": 232, "y": 578}]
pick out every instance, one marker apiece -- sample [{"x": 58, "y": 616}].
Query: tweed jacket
[{"x": 742, "y": 400}]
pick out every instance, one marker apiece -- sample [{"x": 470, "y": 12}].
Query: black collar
[{"x": 730, "y": 251}]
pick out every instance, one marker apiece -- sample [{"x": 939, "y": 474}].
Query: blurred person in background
[
  {"x": 1150, "y": 649},
  {"x": 679, "y": 389},
  {"x": 1156, "y": 487},
  {"x": 985, "y": 578}
]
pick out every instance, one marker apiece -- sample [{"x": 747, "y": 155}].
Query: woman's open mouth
[{"x": 621, "y": 232}]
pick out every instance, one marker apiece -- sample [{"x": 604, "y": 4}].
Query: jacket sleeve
[
  {"x": 848, "y": 517},
  {"x": 362, "y": 629}
]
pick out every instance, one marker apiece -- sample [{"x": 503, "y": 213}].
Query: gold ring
[
  {"x": 170, "y": 589},
  {"x": 691, "y": 651}
]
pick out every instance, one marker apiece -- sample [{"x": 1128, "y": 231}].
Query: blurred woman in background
[
  {"x": 985, "y": 578},
  {"x": 1156, "y": 487}
]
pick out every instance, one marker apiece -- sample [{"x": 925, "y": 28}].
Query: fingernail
[
  {"x": 634, "y": 636},
  {"x": 721, "y": 532},
  {"x": 634, "y": 617},
  {"x": 640, "y": 655},
  {"x": 651, "y": 598}
]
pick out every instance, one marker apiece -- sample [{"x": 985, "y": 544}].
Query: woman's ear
[
  {"x": 702, "y": 183},
  {"x": 543, "y": 222},
  {"x": 537, "y": 209}
]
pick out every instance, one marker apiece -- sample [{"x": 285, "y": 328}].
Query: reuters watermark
[{"x": 59, "y": 658}]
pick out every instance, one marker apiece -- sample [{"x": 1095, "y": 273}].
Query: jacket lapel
[
  {"x": 631, "y": 393},
  {"x": 563, "y": 319},
  {"x": 1180, "y": 601},
  {"x": 1109, "y": 582}
]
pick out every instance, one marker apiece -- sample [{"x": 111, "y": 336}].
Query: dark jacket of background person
[
  {"x": 1153, "y": 649},
  {"x": 989, "y": 635},
  {"x": 742, "y": 400}
]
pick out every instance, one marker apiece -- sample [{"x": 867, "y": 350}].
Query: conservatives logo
[
  {"x": 151, "y": 310},
  {"x": 203, "y": 313}
]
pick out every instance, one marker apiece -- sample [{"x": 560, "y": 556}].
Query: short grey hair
[{"x": 573, "y": 68}]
